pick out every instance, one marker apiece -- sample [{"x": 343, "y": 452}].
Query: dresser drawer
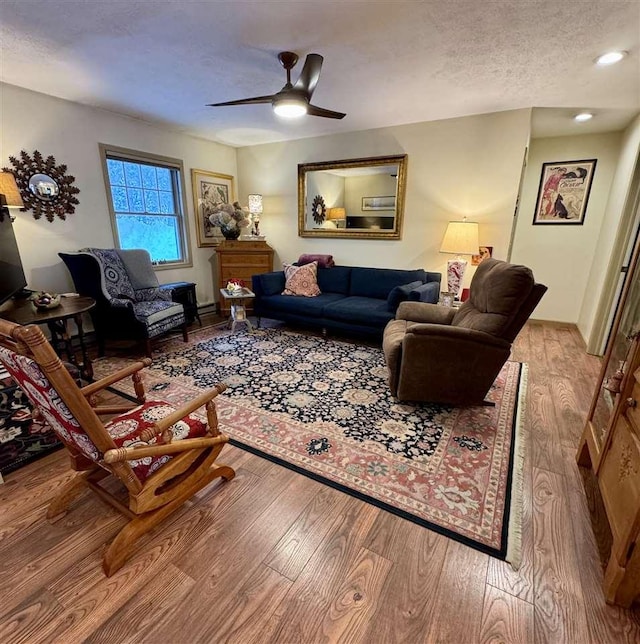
[
  {"x": 239, "y": 272},
  {"x": 619, "y": 478},
  {"x": 246, "y": 259}
]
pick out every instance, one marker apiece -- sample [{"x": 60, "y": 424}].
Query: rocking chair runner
[{"x": 162, "y": 455}]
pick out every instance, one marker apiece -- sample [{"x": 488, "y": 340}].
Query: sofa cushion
[
  {"x": 378, "y": 282},
  {"x": 301, "y": 280},
  {"x": 400, "y": 294},
  {"x": 270, "y": 283},
  {"x": 311, "y": 306},
  {"x": 359, "y": 310},
  {"x": 335, "y": 279},
  {"x": 429, "y": 292},
  {"x": 137, "y": 262}
]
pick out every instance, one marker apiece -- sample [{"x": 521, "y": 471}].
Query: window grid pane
[{"x": 148, "y": 210}]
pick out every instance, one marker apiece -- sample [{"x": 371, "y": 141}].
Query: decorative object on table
[
  {"x": 210, "y": 189},
  {"x": 483, "y": 253},
  {"x": 446, "y": 299},
  {"x": 323, "y": 407},
  {"x": 460, "y": 238},
  {"x": 23, "y": 437},
  {"x": 45, "y": 187},
  {"x": 255, "y": 209},
  {"x": 43, "y": 300},
  {"x": 235, "y": 285},
  {"x": 563, "y": 192},
  {"x": 230, "y": 219},
  {"x": 318, "y": 209},
  {"x": 9, "y": 195}
]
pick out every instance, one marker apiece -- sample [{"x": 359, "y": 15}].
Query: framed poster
[
  {"x": 563, "y": 193},
  {"x": 483, "y": 253},
  {"x": 209, "y": 189}
]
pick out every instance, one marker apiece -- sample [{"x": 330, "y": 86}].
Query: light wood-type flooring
[{"x": 275, "y": 557}]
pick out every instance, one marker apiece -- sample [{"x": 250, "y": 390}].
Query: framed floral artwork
[
  {"x": 563, "y": 193},
  {"x": 209, "y": 189}
]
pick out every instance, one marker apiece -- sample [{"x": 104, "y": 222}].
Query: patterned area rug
[
  {"x": 323, "y": 408},
  {"x": 22, "y": 438}
]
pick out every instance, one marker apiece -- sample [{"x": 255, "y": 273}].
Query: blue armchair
[{"x": 130, "y": 305}]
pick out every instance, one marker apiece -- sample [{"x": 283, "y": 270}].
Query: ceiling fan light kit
[
  {"x": 289, "y": 108},
  {"x": 293, "y": 100}
]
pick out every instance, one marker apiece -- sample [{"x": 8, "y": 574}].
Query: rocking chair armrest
[
  {"x": 116, "y": 376},
  {"x": 168, "y": 421},
  {"x": 121, "y": 454}
]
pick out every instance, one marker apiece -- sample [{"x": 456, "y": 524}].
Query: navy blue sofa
[{"x": 353, "y": 299}]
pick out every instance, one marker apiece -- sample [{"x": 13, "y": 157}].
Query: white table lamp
[
  {"x": 255, "y": 208},
  {"x": 461, "y": 238}
]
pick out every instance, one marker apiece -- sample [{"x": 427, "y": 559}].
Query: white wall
[
  {"x": 456, "y": 167},
  {"x": 561, "y": 256},
  {"x": 626, "y": 163},
  {"x": 71, "y": 133}
]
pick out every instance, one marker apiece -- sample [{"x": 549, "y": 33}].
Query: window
[{"x": 145, "y": 194}]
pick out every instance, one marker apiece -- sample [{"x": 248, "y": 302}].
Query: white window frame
[{"x": 135, "y": 156}]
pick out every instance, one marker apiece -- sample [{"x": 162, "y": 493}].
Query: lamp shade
[
  {"x": 336, "y": 213},
  {"x": 461, "y": 238},
  {"x": 255, "y": 204},
  {"x": 9, "y": 189}
]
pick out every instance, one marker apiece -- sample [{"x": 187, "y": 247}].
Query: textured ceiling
[{"x": 386, "y": 63}]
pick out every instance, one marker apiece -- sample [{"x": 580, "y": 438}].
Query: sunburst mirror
[{"x": 45, "y": 187}]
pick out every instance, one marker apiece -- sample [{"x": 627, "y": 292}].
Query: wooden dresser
[{"x": 241, "y": 259}]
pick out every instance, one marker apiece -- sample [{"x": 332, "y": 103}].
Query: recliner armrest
[
  {"x": 425, "y": 312},
  {"x": 457, "y": 333}
]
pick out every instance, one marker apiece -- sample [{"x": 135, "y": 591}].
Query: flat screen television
[{"x": 12, "y": 278}]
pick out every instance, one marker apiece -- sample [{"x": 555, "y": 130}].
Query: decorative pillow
[
  {"x": 301, "y": 280},
  {"x": 400, "y": 294},
  {"x": 324, "y": 261}
]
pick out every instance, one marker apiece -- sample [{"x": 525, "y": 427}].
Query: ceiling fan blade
[
  {"x": 312, "y": 110},
  {"x": 244, "y": 101},
  {"x": 310, "y": 74}
]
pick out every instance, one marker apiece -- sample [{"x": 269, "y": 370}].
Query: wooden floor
[{"x": 275, "y": 557}]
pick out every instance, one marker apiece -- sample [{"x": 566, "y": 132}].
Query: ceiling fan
[{"x": 293, "y": 100}]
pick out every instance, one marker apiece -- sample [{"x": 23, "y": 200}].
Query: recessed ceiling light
[
  {"x": 610, "y": 58},
  {"x": 583, "y": 116}
]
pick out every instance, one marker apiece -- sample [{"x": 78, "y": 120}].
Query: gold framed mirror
[{"x": 352, "y": 198}]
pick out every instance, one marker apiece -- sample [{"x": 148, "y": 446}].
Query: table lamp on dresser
[{"x": 255, "y": 208}]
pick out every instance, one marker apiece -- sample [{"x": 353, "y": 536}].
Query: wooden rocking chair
[{"x": 162, "y": 455}]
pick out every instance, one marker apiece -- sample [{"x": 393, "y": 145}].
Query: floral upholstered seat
[{"x": 162, "y": 455}]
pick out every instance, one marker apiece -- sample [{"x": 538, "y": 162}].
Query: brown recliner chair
[{"x": 446, "y": 355}]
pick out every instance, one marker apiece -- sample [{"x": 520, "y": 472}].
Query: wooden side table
[
  {"x": 237, "y": 304},
  {"x": 23, "y": 312},
  {"x": 241, "y": 260}
]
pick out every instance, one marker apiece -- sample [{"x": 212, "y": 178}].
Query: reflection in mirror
[
  {"x": 361, "y": 198},
  {"x": 43, "y": 187}
]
